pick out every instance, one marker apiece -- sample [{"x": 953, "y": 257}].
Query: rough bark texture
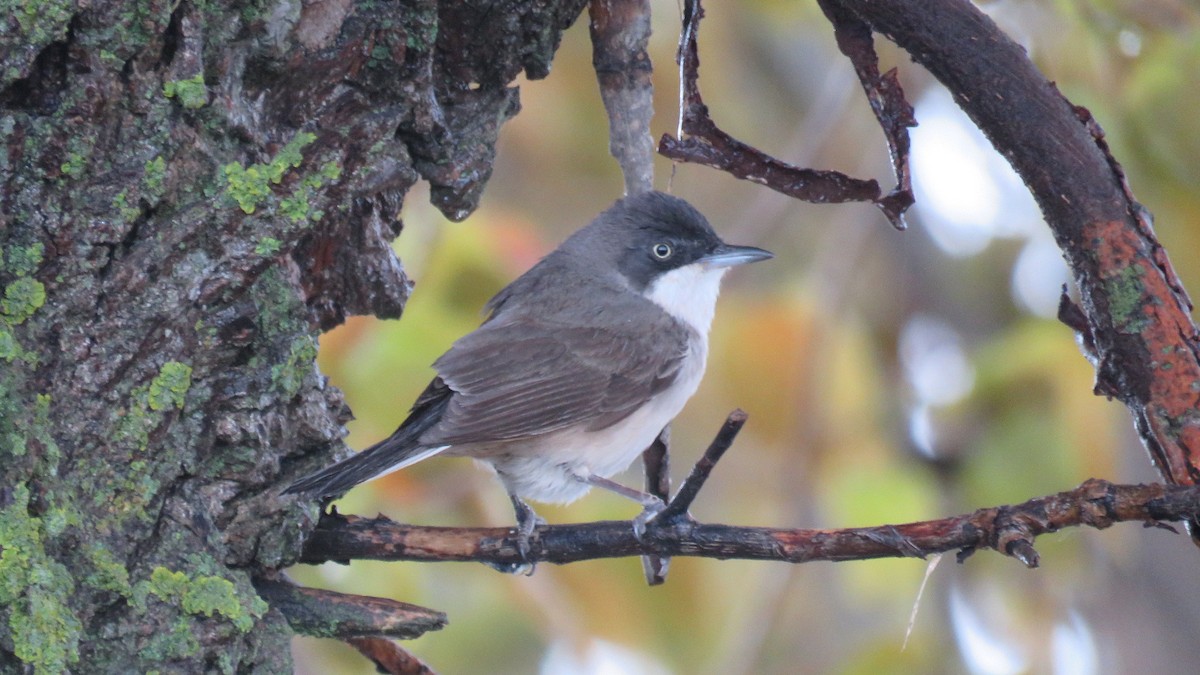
[{"x": 189, "y": 192}]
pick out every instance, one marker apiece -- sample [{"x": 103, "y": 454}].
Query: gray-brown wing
[{"x": 526, "y": 377}]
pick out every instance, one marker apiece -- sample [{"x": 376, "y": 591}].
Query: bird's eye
[{"x": 662, "y": 251}]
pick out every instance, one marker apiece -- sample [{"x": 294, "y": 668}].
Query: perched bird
[{"x": 580, "y": 364}]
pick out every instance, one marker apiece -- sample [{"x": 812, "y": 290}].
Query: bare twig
[
  {"x": 657, "y": 463},
  {"x": 886, "y": 97},
  {"x": 707, "y": 144},
  {"x": 620, "y": 31},
  {"x": 329, "y": 614},
  {"x": 703, "y": 467},
  {"x": 1008, "y": 529}
]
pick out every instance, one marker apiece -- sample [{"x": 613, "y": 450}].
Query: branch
[
  {"x": 329, "y": 614},
  {"x": 389, "y": 657},
  {"x": 656, "y": 463},
  {"x": 1134, "y": 316},
  {"x": 1007, "y": 529},
  {"x": 620, "y": 30},
  {"x": 709, "y": 145},
  {"x": 886, "y": 97}
]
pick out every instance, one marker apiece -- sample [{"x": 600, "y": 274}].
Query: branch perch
[{"x": 1008, "y": 529}]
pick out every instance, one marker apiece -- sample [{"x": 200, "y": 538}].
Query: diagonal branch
[
  {"x": 894, "y": 112},
  {"x": 388, "y": 656}
]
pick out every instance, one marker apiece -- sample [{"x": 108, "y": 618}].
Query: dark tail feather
[
  {"x": 397, "y": 451},
  {"x": 388, "y": 455}
]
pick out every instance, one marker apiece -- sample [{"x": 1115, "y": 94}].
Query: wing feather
[{"x": 528, "y": 374}]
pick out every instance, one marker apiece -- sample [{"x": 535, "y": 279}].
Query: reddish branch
[
  {"x": 1134, "y": 316},
  {"x": 1008, "y": 529},
  {"x": 389, "y": 657},
  {"x": 702, "y": 142}
]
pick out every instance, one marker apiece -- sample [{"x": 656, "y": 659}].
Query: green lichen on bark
[
  {"x": 35, "y": 592},
  {"x": 250, "y": 186},
  {"x": 169, "y": 388},
  {"x": 21, "y": 299},
  {"x": 1126, "y": 295},
  {"x": 204, "y": 595},
  {"x": 191, "y": 92}
]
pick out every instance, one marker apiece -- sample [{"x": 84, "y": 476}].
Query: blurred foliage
[{"x": 808, "y": 344}]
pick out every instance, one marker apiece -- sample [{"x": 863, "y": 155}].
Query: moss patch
[
  {"x": 204, "y": 596},
  {"x": 250, "y": 186},
  {"x": 170, "y": 386},
  {"x": 190, "y": 93},
  {"x": 21, "y": 299},
  {"x": 34, "y": 589}
]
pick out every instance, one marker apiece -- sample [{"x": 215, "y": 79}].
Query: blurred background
[{"x": 889, "y": 376}]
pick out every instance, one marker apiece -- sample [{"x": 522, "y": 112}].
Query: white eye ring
[{"x": 662, "y": 250}]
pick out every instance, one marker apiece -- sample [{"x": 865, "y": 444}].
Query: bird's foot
[
  {"x": 650, "y": 509},
  {"x": 651, "y": 505},
  {"x": 527, "y": 522}
]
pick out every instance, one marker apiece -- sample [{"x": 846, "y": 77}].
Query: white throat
[{"x": 689, "y": 294}]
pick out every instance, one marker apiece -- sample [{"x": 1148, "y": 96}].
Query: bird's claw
[
  {"x": 650, "y": 511},
  {"x": 527, "y": 522}
]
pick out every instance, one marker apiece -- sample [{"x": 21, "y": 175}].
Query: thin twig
[
  {"x": 707, "y": 144},
  {"x": 389, "y": 657},
  {"x": 656, "y": 461},
  {"x": 703, "y": 467}
]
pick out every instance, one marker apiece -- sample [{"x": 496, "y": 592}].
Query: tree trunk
[{"x": 190, "y": 192}]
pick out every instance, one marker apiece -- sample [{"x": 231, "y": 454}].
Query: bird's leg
[
  {"x": 527, "y": 521},
  {"x": 651, "y": 505}
]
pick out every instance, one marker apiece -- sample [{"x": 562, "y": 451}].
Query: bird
[{"x": 578, "y": 366}]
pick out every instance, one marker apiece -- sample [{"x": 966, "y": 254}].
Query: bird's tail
[
  {"x": 403, "y": 448},
  {"x": 391, "y": 454}
]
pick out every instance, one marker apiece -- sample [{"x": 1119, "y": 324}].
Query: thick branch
[
  {"x": 1146, "y": 346},
  {"x": 1008, "y": 529},
  {"x": 329, "y": 614},
  {"x": 620, "y": 30}
]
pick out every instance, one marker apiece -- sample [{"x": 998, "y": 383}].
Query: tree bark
[{"x": 190, "y": 192}]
